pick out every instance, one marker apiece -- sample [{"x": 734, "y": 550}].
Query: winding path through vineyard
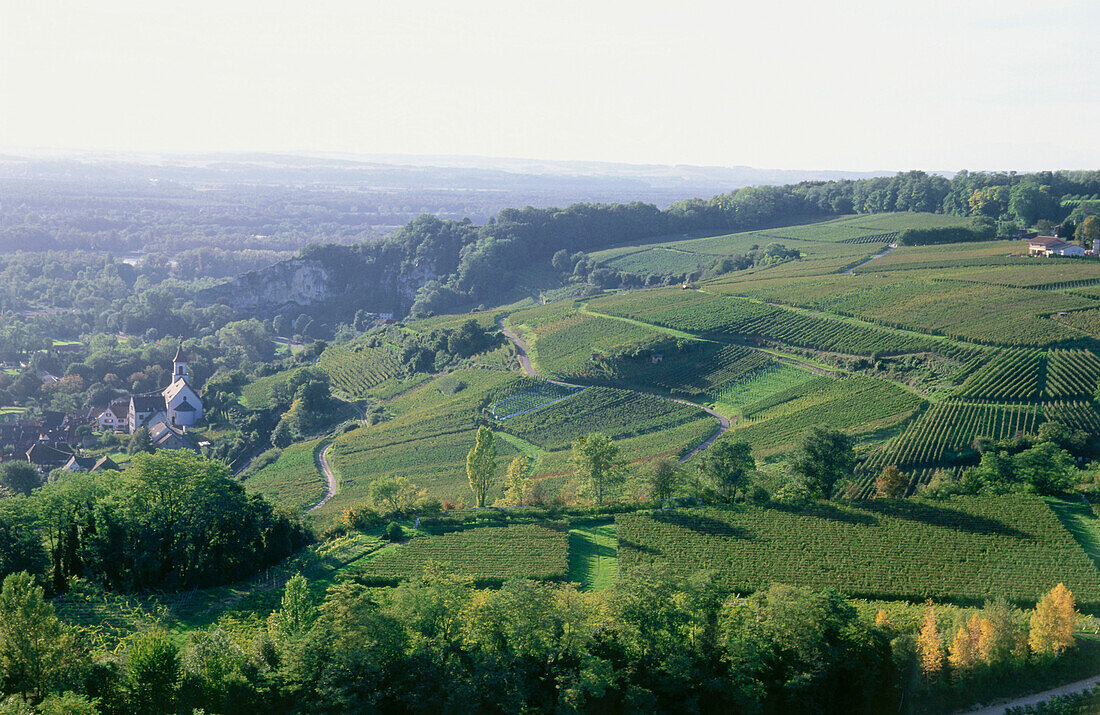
[
  {"x": 330, "y": 479},
  {"x": 529, "y": 370},
  {"x": 852, "y": 270},
  {"x": 322, "y": 460}
]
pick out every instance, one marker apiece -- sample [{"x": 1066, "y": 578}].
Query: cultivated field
[
  {"x": 486, "y": 554},
  {"x": 965, "y": 549}
]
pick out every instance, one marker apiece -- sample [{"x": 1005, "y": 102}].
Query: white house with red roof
[{"x": 1052, "y": 246}]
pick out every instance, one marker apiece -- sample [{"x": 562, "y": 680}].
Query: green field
[
  {"x": 966, "y": 549},
  {"x": 978, "y": 341},
  {"x": 593, "y": 556},
  {"x": 293, "y": 480},
  {"x": 426, "y": 441},
  {"x": 487, "y": 554},
  {"x": 735, "y": 317},
  {"x": 564, "y": 340}
]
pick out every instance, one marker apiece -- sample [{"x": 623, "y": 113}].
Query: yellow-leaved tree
[
  {"x": 1054, "y": 621},
  {"x": 930, "y": 645},
  {"x": 517, "y": 487},
  {"x": 965, "y": 647}
]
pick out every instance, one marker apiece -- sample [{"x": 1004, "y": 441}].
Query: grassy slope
[
  {"x": 292, "y": 481},
  {"x": 593, "y": 556}
]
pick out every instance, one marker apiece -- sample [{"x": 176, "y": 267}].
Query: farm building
[{"x": 1052, "y": 246}]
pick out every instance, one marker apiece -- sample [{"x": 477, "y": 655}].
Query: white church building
[{"x": 177, "y": 405}]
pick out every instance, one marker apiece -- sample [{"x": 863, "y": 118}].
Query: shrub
[{"x": 394, "y": 532}]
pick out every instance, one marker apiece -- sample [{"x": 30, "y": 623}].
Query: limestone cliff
[{"x": 330, "y": 282}]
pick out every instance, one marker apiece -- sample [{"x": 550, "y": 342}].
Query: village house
[
  {"x": 90, "y": 464},
  {"x": 165, "y": 437},
  {"x": 47, "y": 457},
  {"x": 115, "y": 418},
  {"x": 1052, "y": 246}
]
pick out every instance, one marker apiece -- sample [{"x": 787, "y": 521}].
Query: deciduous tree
[
  {"x": 517, "y": 487},
  {"x": 726, "y": 467},
  {"x": 1088, "y": 231},
  {"x": 822, "y": 459},
  {"x": 930, "y": 645},
  {"x": 891, "y": 483},
  {"x": 20, "y": 477},
  {"x": 37, "y": 651},
  {"x": 153, "y": 666},
  {"x": 596, "y": 459},
  {"x": 1053, "y": 622},
  {"x": 663, "y": 479},
  {"x": 481, "y": 465}
]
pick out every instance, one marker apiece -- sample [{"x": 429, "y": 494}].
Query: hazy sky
[{"x": 858, "y": 84}]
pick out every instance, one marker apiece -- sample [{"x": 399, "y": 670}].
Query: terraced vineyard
[
  {"x": 354, "y": 372},
  {"x": 695, "y": 370},
  {"x": 928, "y": 302},
  {"x": 1010, "y": 375},
  {"x": 541, "y": 394},
  {"x": 490, "y": 554},
  {"x": 257, "y": 395},
  {"x": 952, "y": 426},
  {"x": 966, "y": 549},
  {"x": 566, "y": 339},
  {"x": 751, "y": 389},
  {"x": 737, "y": 317},
  {"x": 616, "y": 413},
  {"x": 1085, "y": 321},
  {"x": 426, "y": 441},
  {"x": 1030, "y": 375},
  {"x": 1072, "y": 374}
]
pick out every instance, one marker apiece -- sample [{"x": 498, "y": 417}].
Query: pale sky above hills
[{"x": 857, "y": 85}]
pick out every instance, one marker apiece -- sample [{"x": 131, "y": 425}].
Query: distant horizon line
[{"x": 28, "y": 152}]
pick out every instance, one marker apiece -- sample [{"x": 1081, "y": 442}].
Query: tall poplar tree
[
  {"x": 481, "y": 465},
  {"x": 517, "y": 486},
  {"x": 930, "y": 645}
]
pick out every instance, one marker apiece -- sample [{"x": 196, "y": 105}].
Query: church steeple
[{"x": 179, "y": 365}]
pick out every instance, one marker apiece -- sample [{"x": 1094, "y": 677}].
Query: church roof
[
  {"x": 180, "y": 357},
  {"x": 185, "y": 406},
  {"x": 148, "y": 402},
  {"x": 169, "y": 393}
]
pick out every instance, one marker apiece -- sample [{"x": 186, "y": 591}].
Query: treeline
[
  {"x": 649, "y": 644},
  {"x": 172, "y": 520}
]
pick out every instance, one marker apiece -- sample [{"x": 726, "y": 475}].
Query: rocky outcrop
[
  {"x": 298, "y": 282},
  {"x": 330, "y": 283}
]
